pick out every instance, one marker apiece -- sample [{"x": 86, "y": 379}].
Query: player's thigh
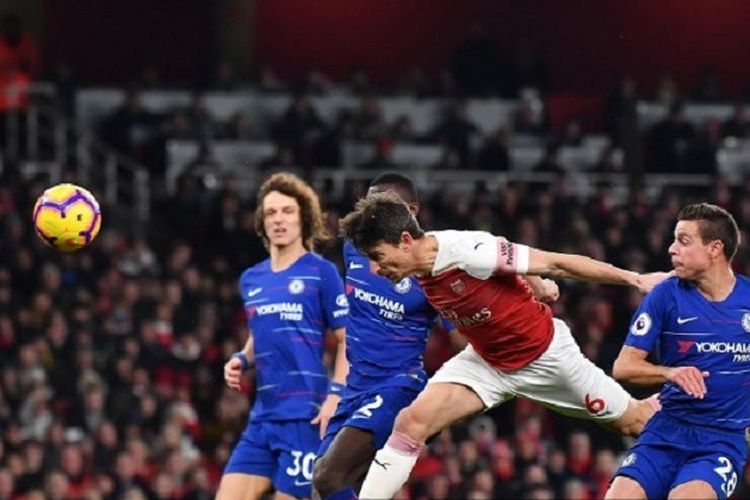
[
  {"x": 238, "y": 486},
  {"x": 714, "y": 475},
  {"x": 439, "y": 405},
  {"x": 625, "y": 487},
  {"x": 466, "y": 384},
  {"x": 252, "y": 464},
  {"x": 347, "y": 457},
  {"x": 693, "y": 489},
  {"x": 566, "y": 381},
  {"x": 296, "y": 445}
]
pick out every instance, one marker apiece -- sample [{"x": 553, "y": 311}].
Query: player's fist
[
  {"x": 233, "y": 373},
  {"x": 690, "y": 379},
  {"x": 550, "y": 292}
]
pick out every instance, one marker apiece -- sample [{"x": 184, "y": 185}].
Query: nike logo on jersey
[
  {"x": 384, "y": 465},
  {"x": 354, "y": 265},
  {"x": 478, "y": 244},
  {"x": 254, "y": 292},
  {"x": 297, "y": 482},
  {"x": 682, "y": 321}
]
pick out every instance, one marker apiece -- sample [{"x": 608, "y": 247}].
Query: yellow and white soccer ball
[{"x": 67, "y": 217}]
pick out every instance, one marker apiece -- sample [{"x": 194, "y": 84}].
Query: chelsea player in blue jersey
[
  {"x": 699, "y": 323},
  {"x": 387, "y": 332},
  {"x": 291, "y": 300}
]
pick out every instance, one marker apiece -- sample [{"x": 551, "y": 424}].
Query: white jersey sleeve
[{"x": 479, "y": 253}]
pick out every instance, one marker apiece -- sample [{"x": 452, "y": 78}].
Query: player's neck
[
  {"x": 425, "y": 255},
  {"x": 716, "y": 284},
  {"x": 282, "y": 257}
]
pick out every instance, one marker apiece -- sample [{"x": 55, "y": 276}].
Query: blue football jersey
[
  {"x": 289, "y": 312},
  {"x": 387, "y": 328},
  {"x": 689, "y": 330}
]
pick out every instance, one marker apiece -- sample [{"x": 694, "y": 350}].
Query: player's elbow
[{"x": 621, "y": 370}]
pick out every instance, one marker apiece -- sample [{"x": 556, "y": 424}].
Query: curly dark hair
[{"x": 311, "y": 215}]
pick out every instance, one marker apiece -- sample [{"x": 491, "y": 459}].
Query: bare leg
[
  {"x": 346, "y": 461},
  {"x": 438, "y": 406},
  {"x": 236, "y": 486},
  {"x": 692, "y": 489},
  {"x": 625, "y": 487}
]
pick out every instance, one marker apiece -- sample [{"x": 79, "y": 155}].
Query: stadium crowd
[{"x": 111, "y": 358}]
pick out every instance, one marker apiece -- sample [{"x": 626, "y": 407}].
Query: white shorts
[{"x": 562, "y": 379}]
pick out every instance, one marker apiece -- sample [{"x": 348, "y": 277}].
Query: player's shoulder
[
  {"x": 454, "y": 241},
  {"x": 318, "y": 262},
  {"x": 671, "y": 285},
  {"x": 259, "y": 268},
  {"x": 743, "y": 281}
]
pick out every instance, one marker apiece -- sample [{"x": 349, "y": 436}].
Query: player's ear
[
  {"x": 406, "y": 238},
  {"x": 717, "y": 248}
]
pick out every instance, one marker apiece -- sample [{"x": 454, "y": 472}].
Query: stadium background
[{"x": 575, "y": 126}]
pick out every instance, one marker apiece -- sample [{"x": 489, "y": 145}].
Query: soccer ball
[{"x": 67, "y": 217}]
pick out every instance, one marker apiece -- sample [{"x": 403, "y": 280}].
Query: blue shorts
[
  {"x": 281, "y": 451},
  {"x": 373, "y": 411},
  {"x": 669, "y": 453}
]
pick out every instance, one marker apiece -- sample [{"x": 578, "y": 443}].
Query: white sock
[{"x": 391, "y": 467}]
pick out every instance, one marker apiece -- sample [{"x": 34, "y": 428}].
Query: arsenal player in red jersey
[{"x": 516, "y": 347}]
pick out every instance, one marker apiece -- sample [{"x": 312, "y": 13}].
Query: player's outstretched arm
[
  {"x": 631, "y": 366},
  {"x": 580, "y": 267}
]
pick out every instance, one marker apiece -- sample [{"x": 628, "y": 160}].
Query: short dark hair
[
  {"x": 311, "y": 215},
  {"x": 714, "y": 223},
  {"x": 403, "y": 184},
  {"x": 381, "y": 217}
]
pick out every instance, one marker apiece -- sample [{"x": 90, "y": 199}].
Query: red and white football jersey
[{"x": 475, "y": 283}]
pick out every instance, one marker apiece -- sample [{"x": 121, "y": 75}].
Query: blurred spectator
[
  {"x": 383, "y": 158},
  {"x": 359, "y": 82},
  {"x": 316, "y": 82},
  {"x": 667, "y": 92},
  {"x": 529, "y": 118},
  {"x": 738, "y": 125},
  {"x": 457, "y": 132},
  {"x": 527, "y": 70},
  {"x": 622, "y": 115},
  {"x": 415, "y": 83},
  {"x": 130, "y": 126},
  {"x": 225, "y": 79},
  {"x": 269, "y": 81},
  {"x": 299, "y": 127},
  {"x": 572, "y": 133},
  {"x": 550, "y": 162},
  {"x": 707, "y": 88},
  {"x": 18, "y": 50},
  {"x": 668, "y": 143},
  {"x": 402, "y": 129},
  {"x": 476, "y": 64},
  {"x": 368, "y": 120}
]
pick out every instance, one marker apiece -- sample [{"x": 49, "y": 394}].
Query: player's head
[
  {"x": 399, "y": 184},
  {"x": 288, "y": 213},
  {"x": 382, "y": 227},
  {"x": 705, "y": 235}
]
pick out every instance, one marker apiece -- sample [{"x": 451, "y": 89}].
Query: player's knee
[
  {"x": 327, "y": 478},
  {"x": 414, "y": 422}
]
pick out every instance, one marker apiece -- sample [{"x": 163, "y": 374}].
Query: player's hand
[
  {"x": 690, "y": 379},
  {"x": 646, "y": 282},
  {"x": 327, "y": 409},
  {"x": 233, "y": 373},
  {"x": 550, "y": 292}
]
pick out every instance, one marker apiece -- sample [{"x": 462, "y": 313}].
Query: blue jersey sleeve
[
  {"x": 447, "y": 325},
  {"x": 333, "y": 300},
  {"x": 648, "y": 320}
]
